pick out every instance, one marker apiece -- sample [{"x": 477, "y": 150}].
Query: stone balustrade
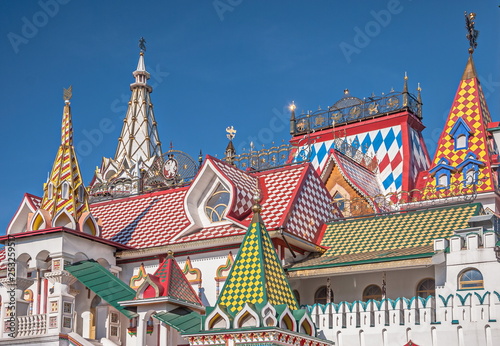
[{"x": 32, "y": 325}]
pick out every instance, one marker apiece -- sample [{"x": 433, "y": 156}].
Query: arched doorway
[{"x": 93, "y": 317}]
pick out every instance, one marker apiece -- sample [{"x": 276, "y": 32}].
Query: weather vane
[
  {"x": 231, "y": 132},
  {"x": 142, "y": 44},
  {"x": 472, "y": 33},
  {"x": 67, "y": 93}
]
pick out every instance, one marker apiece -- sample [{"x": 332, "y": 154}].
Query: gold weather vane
[
  {"x": 142, "y": 44},
  {"x": 472, "y": 33},
  {"x": 231, "y": 132},
  {"x": 68, "y": 93}
]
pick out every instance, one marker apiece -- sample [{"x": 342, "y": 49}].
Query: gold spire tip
[{"x": 256, "y": 208}]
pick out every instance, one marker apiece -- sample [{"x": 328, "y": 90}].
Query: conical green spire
[{"x": 257, "y": 276}]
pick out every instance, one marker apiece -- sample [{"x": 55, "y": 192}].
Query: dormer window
[
  {"x": 461, "y": 142},
  {"x": 50, "y": 191},
  {"x": 443, "y": 180},
  {"x": 81, "y": 193},
  {"x": 65, "y": 190},
  {"x": 442, "y": 173},
  {"x": 461, "y": 133},
  {"x": 470, "y": 177},
  {"x": 217, "y": 204},
  {"x": 470, "y": 169}
]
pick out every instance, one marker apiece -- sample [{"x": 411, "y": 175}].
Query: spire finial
[
  {"x": 67, "y": 94},
  {"x": 142, "y": 45},
  {"x": 405, "y": 84},
  {"x": 472, "y": 33},
  {"x": 230, "y": 151},
  {"x": 256, "y": 208}
]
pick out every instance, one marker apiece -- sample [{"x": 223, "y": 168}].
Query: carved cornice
[
  {"x": 17, "y": 283},
  {"x": 60, "y": 276}
]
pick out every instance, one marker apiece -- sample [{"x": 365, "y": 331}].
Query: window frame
[
  {"x": 366, "y": 297},
  {"x": 429, "y": 292},
  {"x": 478, "y": 284}
]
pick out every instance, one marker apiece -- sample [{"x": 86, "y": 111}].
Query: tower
[
  {"x": 139, "y": 146},
  {"x": 65, "y": 199},
  {"x": 467, "y": 155}
]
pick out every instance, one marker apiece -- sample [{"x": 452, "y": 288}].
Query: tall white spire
[{"x": 139, "y": 137}]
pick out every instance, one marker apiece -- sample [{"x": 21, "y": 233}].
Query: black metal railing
[{"x": 370, "y": 107}]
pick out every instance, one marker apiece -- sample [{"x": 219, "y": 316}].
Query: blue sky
[{"x": 215, "y": 64}]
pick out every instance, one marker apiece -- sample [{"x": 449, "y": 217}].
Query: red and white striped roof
[{"x": 293, "y": 197}]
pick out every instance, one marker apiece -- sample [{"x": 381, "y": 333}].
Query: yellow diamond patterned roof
[
  {"x": 257, "y": 276},
  {"x": 470, "y": 106},
  {"x": 396, "y": 231},
  {"x": 65, "y": 169}
]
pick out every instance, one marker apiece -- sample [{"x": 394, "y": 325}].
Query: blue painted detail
[
  {"x": 399, "y": 180},
  {"x": 454, "y": 322},
  {"x": 497, "y": 294},
  {"x": 408, "y": 302},
  {"x": 463, "y": 299},
  {"x": 377, "y": 141},
  {"x": 366, "y": 144},
  {"x": 460, "y": 129},
  {"x": 399, "y": 139},
  {"x": 394, "y": 302},
  {"x": 388, "y": 181},
  {"x": 355, "y": 142},
  {"x": 321, "y": 152},
  {"x": 389, "y": 139},
  {"x": 481, "y": 299},
  {"x": 445, "y": 300}
]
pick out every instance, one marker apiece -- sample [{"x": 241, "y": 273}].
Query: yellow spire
[{"x": 65, "y": 199}]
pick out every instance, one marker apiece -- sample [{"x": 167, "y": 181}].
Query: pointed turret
[
  {"x": 464, "y": 155},
  {"x": 65, "y": 200},
  {"x": 168, "y": 281},
  {"x": 139, "y": 146},
  {"x": 139, "y": 137},
  {"x": 257, "y": 276}
]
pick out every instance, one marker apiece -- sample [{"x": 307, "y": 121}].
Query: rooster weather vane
[{"x": 472, "y": 33}]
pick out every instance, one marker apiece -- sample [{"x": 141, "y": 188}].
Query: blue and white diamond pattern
[
  {"x": 386, "y": 143},
  {"x": 420, "y": 159}
]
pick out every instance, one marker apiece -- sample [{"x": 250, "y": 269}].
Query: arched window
[
  {"x": 471, "y": 279},
  {"x": 426, "y": 287},
  {"x": 217, "y": 204},
  {"x": 50, "y": 191},
  {"x": 81, "y": 193},
  {"x": 321, "y": 296},
  {"x": 461, "y": 142},
  {"x": 372, "y": 292},
  {"x": 443, "y": 180},
  {"x": 65, "y": 190},
  {"x": 470, "y": 177}
]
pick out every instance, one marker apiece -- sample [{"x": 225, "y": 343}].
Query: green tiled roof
[
  {"x": 182, "y": 319},
  {"x": 257, "y": 276},
  {"x": 396, "y": 231},
  {"x": 100, "y": 281}
]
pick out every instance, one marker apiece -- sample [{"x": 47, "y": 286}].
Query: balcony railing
[
  {"x": 32, "y": 325},
  {"x": 370, "y": 107}
]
